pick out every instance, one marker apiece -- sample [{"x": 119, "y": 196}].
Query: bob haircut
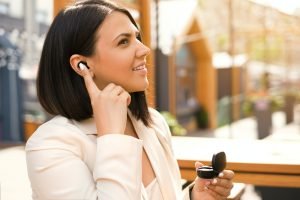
[{"x": 60, "y": 90}]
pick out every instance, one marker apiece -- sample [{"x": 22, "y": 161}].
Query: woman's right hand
[
  {"x": 213, "y": 189},
  {"x": 109, "y": 105}
]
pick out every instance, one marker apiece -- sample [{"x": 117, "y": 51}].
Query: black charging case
[{"x": 218, "y": 165}]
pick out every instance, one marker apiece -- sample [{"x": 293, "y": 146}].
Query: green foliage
[
  {"x": 222, "y": 42},
  {"x": 266, "y": 49},
  {"x": 248, "y": 106},
  {"x": 201, "y": 3},
  {"x": 175, "y": 127},
  {"x": 224, "y": 111}
]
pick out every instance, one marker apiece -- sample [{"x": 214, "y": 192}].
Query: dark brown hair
[{"x": 60, "y": 90}]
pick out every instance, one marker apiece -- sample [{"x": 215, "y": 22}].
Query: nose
[{"x": 142, "y": 51}]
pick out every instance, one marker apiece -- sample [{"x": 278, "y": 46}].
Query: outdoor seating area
[{"x": 223, "y": 74}]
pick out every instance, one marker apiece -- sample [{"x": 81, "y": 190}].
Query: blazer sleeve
[{"x": 58, "y": 173}]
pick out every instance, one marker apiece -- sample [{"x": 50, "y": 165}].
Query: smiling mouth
[{"x": 139, "y": 68}]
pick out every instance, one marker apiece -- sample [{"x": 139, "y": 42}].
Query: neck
[{"x": 129, "y": 130}]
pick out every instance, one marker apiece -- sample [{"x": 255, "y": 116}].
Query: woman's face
[{"x": 119, "y": 57}]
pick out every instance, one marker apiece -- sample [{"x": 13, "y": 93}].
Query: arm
[{"x": 58, "y": 173}]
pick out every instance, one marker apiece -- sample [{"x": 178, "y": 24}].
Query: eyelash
[
  {"x": 122, "y": 41},
  {"x": 127, "y": 40}
]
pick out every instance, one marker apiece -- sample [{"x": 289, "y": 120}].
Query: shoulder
[
  {"x": 159, "y": 123},
  {"x": 155, "y": 114},
  {"x": 58, "y": 132},
  {"x": 156, "y": 117}
]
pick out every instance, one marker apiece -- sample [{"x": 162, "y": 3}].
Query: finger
[
  {"x": 221, "y": 191},
  {"x": 198, "y": 164},
  {"x": 125, "y": 96},
  {"x": 128, "y": 100},
  {"x": 221, "y": 186},
  {"x": 201, "y": 184},
  {"x": 222, "y": 182},
  {"x": 109, "y": 88},
  {"x": 227, "y": 174},
  {"x": 117, "y": 90},
  {"x": 215, "y": 195},
  {"x": 89, "y": 82}
]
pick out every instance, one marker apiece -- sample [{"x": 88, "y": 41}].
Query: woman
[{"x": 104, "y": 142}]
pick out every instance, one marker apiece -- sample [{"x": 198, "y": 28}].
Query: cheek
[
  {"x": 112, "y": 70},
  {"x": 114, "y": 66},
  {"x": 118, "y": 62}
]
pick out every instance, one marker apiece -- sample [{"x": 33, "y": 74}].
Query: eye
[{"x": 124, "y": 41}]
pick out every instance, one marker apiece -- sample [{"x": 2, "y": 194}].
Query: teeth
[{"x": 138, "y": 68}]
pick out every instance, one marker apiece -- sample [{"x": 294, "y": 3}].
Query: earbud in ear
[{"x": 81, "y": 65}]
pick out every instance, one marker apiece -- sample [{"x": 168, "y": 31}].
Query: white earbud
[{"x": 82, "y": 66}]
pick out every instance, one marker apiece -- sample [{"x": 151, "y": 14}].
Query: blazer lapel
[{"x": 156, "y": 156}]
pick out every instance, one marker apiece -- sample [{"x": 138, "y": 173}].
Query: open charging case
[{"x": 218, "y": 165}]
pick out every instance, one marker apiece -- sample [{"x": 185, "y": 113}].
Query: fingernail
[
  {"x": 207, "y": 183},
  {"x": 214, "y": 181},
  {"x": 221, "y": 174},
  {"x": 205, "y": 188}
]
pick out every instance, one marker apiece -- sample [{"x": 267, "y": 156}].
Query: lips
[{"x": 139, "y": 68}]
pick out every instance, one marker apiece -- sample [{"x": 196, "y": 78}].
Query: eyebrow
[{"x": 137, "y": 33}]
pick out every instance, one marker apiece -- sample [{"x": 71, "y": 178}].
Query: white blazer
[{"x": 67, "y": 161}]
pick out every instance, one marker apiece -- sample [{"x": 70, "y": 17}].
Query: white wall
[{"x": 44, "y": 9}]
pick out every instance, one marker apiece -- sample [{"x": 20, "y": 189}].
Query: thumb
[{"x": 198, "y": 164}]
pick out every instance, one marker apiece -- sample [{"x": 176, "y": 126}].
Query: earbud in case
[{"x": 218, "y": 165}]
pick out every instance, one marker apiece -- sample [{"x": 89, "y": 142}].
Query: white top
[{"x": 153, "y": 190}]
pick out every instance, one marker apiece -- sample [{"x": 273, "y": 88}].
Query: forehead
[{"x": 115, "y": 24}]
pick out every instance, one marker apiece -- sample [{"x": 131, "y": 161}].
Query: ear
[{"x": 75, "y": 59}]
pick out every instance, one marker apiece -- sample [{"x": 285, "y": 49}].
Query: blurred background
[
  {"x": 219, "y": 61},
  {"x": 219, "y": 68}
]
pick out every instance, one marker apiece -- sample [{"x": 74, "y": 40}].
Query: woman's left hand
[{"x": 213, "y": 189}]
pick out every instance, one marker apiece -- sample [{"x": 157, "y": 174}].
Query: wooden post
[
  {"x": 60, "y": 4},
  {"x": 235, "y": 73},
  {"x": 145, "y": 23}
]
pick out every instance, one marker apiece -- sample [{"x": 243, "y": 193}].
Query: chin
[
  {"x": 137, "y": 90},
  {"x": 140, "y": 88}
]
